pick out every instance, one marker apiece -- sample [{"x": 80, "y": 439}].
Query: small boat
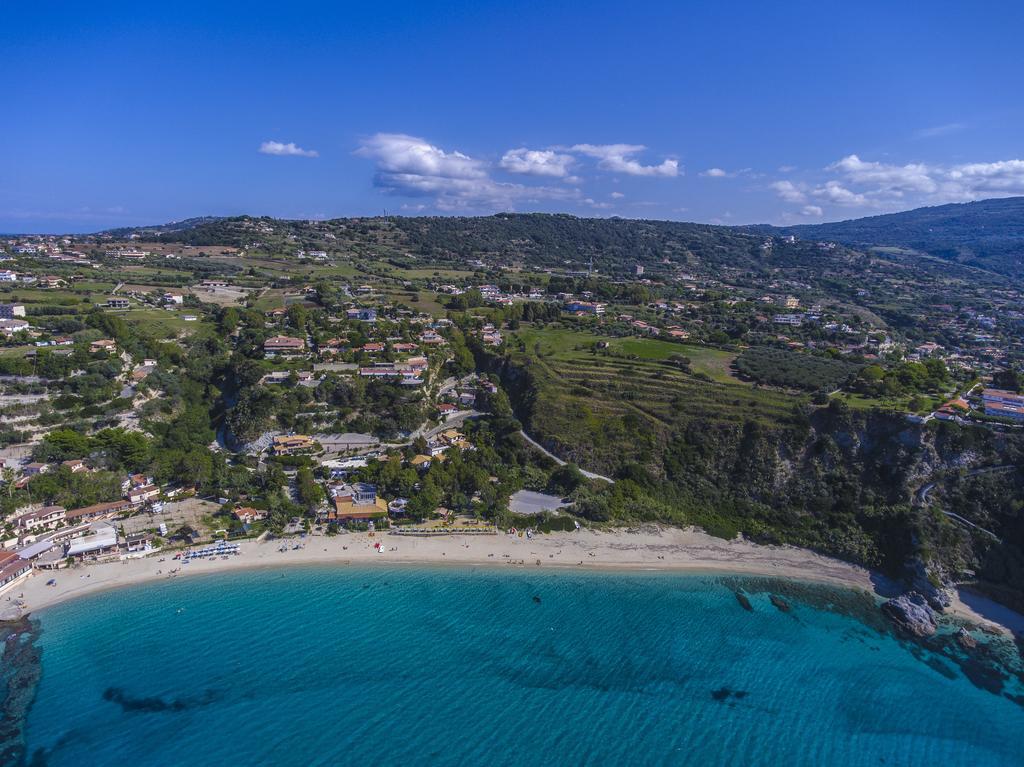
[{"x": 51, "y": 582}]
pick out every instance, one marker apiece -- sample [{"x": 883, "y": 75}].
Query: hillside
[
  {"x": 988, "y": 234},
  {"x": 611, "y": 246}
]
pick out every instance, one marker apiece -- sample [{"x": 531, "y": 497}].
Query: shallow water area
[{"x": 318, "y": 665}]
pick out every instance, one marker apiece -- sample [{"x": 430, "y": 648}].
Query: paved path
[
  {"x": 925, "y": 491},
  {"x": 559, "y": 461}
]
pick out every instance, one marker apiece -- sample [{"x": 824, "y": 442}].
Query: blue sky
[{"x": 728, "y": 112}]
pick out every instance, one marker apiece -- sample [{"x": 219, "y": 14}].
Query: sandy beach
[{"x": 653, "y": 549}]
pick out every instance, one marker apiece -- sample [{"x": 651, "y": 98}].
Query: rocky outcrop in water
[
  {"x": 931, "y": 584},
  {"x": 965, "y": 640},
  {"x": 911, "y": 614}
]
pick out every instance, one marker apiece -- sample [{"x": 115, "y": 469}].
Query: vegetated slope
[
  {"x": 610, "y": 246},
  {"x": 560, "y": 240},
  {"x": 731, "y": 459},
  {"x": 172, "y": 227},
  {"x": 987, "y": 234}
]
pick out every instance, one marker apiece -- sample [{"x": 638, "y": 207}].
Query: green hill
[{"x": 988, "y": 234}]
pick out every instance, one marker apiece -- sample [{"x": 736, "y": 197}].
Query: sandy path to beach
[{"x": 664, "y": 549}]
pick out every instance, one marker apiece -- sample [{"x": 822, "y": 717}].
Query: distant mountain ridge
[
  {"x": 988, "y": 234},
  {"x": 171, "y": 226}
]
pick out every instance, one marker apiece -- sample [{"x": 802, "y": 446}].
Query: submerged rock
[
  {"x": 744, "y": 601},
  {"x": 780, "y": 603},
  {"x": 911, "y": 614}
]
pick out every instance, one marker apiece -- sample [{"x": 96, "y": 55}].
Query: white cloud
[
  {"x": 618, "y": 158},
  {"x": 789, "y": 191},
  {"x": 537, "y": 162},
  {"x": 895, "y": 179},
  {"x": 986, "y": 178},
  {"x": 811, "y": 211},
  {"x": 616, "y": 195},
  {"x": 722, "y": 173},
  {"x": 877, "y": 182},
  {"x": 857, "y": 183},
  {"x": 286, "y": 150},
  {"x": 400, "y": 154},
  {"x": 836, "y": 193},
  {"x": 936, "y": 131},
  {"x": 412, "y": 167}
]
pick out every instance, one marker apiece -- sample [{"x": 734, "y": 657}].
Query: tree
[{"x": 310, "y": 493}]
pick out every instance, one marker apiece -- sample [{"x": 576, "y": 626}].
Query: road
[
  {"x": 559, "y": 461},
  {"x": 925, "y": 490}
]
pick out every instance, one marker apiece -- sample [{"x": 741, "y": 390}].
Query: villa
[
  {"x": 283, "y": 346},
  {"x": 289, "y": 445},
  {"x": 356, "y": 503},
  {"x": 247, "y": 515}
]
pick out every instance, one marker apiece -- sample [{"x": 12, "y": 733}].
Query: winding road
[
  {"x": 559, "y": 461},
  {"x": 925, "y": 490}
]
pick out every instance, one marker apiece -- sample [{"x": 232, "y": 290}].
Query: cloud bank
[
  {"x": 618, "y": 158},
  {"x": 852, "y": 182},
  {"x": 412, "y": 166}
]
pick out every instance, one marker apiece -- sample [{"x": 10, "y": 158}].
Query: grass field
[
  {"x": 427, "y": 300},
  {"x": 714, "y": 363},
  {"x": 898, "y": 404},
  {"x": 605, "y": 410},
  {"x": 157, "y": 323}
]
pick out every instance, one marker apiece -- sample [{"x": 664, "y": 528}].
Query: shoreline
[{"x": 653, "y": 550}]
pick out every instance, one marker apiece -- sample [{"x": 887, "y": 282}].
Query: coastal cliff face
[{"x": 840, "y": 481}]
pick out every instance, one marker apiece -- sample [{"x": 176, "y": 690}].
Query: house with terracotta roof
[
  {"x": 291, "y": 444},
  {"x": 97, "y": 511},
  {"x": 13, "y": 570},
  {"x": 247, "y": 515},
  {"x": 283, "y": 346},
  {"x": 357, "y": 502},
  {"x": 140, "y": 495},
  {"x": 46, "y": 518}
]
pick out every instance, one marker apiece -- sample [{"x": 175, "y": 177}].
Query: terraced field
[{"x": 603, "y": 411}]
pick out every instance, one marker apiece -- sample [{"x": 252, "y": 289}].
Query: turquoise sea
[{"x": 422, "y": 666}]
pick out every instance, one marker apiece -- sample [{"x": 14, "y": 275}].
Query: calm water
[{"x": 408, "y": 667}]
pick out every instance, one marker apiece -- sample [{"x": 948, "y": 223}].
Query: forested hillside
[{"x": 987, "y": 234}]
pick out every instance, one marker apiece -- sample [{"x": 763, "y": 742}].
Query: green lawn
[
  {"x": 427, "y": 300},
  {"x": 157, "y": 323},
  {"x": 715, "y": 363}
]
